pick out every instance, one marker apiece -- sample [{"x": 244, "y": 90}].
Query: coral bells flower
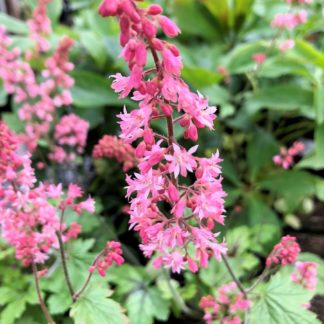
[
  {"x": 28, "y": 221},
  {"x": 259, "y": 58},
  {"x": 112, "y": 147},
  {"x": 286, "y": 157},
  {"x": 40, "y": 26},
  {"x": 71, "y": 133},
  {"x": 228, "y": 306},
  {"x": 289, "y": 20},
  {"x": 111, "y": 254},
  {"x": 175, "y": 220},
  {"x": 286, "y": 45},
  {"x": 285, "y": 252},
  {"x": 305, "y": 274}
]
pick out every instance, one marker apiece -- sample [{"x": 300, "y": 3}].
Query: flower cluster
[
  {"x": 305, "y": 274},
  {"x": 38, "y": 98},
  {"x": 228, "y": 306},
  {"x": 286, "y": 157},
  {"x": 112, "y": 147},
  {"x": 71, "y": 136},
  {"x": 289, "y": 21},
  {"x": 285, "y": 252},
  {"x": 111, "y": 254},
  {"x": 40, "y": 26},
  {"x": 174, "y": 219},
  {"x": 28, "y": 220}
]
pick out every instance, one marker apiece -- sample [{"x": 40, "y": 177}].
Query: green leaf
[
  {"x": 91, "y": 90},
  {"x": 55, "y": 9},
  {"x": 13, "y": 25},
  {"x": 59, "y": 303},
  {"x": 309, "y": 53},
  {"x": 94, "y": 307},
  {"x": 3, "y": 96},
  {"x": 261, "y": 148},
  {"x": 145, "y": 304},
  {"x": 284, "y": 97},
  {"x": 291, "y": 185},
  {"x": 94, "y": 45},
  {"x": 319, "y": 142},
  {"x": 259, "y": 212},
  {"x": 320, "y": 188},
  {"x": 13, "y": 311},
  {"x": 13, "y": 122},
  {"x": 281, "y": 302},
  {"x": 188, "y": 11},
  {"x": 200, "y": 77}
]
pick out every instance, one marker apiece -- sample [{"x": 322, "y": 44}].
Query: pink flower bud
[
  {"x": 108, "y": 8},
  {"x": 149, "y": 28},
  {"x": 140, "y": 150},
  {"x": 169, "y": 27},
  {"x": 173, "y": 192},
  {"x": 148, "y": 136},
  {"x": 167, "y": 109},
  {"x": 193, "y": 267},
  {"x": 154, "y": 10}
]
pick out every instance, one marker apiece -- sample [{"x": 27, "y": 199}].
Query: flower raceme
[
  {"x": 71, "y": 137},
  {"x": 305, "y": 274},
  {"x": 38, "y": 97},
  {"x": 175, "y": 220},
  {"x": 29, "y": 222},
  {"x": 228, "y": 306},
  {"x": 286, "y": 157},
  {"x": 284, "y": 253},
  {"x": 113, "y": 147}
]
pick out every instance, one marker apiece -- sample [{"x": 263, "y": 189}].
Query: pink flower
[
  {"x": 259, "y": 58},
  {"x": 87, "y": 205},
  {"x": 111, "y": 254},
  {"x": 285, "y": 252},
  {"x": 305, "y": 274},
  {"x": 178, "y": 240},
  {"x": 286, "y": 157},
  {"x": 181, "y": 160},
  {"x": 168, "y": 26},
  {"x": 286, "y": 45}
]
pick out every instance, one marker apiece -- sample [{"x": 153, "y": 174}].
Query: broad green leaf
[
  {"x": 13, "y": 25},
  {"x": 188, "y": 11},
  {"x": 7, "y": 295},
  {"x": 59, "y": 303},
  {"x": 13, "y": 122},
  {"x": 94, "y": 307},
  {"x": 283, "y": 65},
  {"x": 309, "y": 53},
  {"x": 13, "y": 311},
  {"x": 139, "y": 307},
  {"x": 199, "y": 77},
  {"x": 261, "y": 148},
  {"x": 319, "y": 102},
  {"x": 94, "y": 45},
  {"x": 319, "y": 142},
  {"x": 320, "y": 189},
  {"x": 281, "y": 301},
  {"x": 259, "y": 212},
  {"x": 240, "y": 59},
  {"x": 284, "y": 97},
  {"x": 291, "y": 185}
]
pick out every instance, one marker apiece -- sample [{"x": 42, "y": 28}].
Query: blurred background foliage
[{"x": 258, "y": 112}]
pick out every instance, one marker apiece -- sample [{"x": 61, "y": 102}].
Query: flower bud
[
  {"x": 169, "y": 27},
  {"x": 154, "y": 10}
]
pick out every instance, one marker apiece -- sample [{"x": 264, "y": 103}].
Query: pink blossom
[
  {"x": 111, "y": 254},
  {"x": 182, "y": 236},
  {"x": 229, "y": 306},
  {"x": 112, "y": 147},
  {"x": 259, "y": 58},
  {"x": 285, "y": 252},
  {"x": 87, "y": 205},
  {"x": 305, "y": 274},
  {"x": 286, "y": 157},
  {"x": 286, "y": 45}
]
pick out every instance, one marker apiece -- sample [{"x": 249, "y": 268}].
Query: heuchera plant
[{"x": 176, "y": 197}]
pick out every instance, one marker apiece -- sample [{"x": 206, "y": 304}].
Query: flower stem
[
  {"x": 40, "y": 298},
  {"x": 236, "y": 280},
  {"x": 259, "y": 280},
  {"x": 64, "y": 265}
]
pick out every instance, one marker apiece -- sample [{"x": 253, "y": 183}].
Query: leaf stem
[
  {"x": 259, "y": 280},
  {"x": 40, "y": 298}
]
